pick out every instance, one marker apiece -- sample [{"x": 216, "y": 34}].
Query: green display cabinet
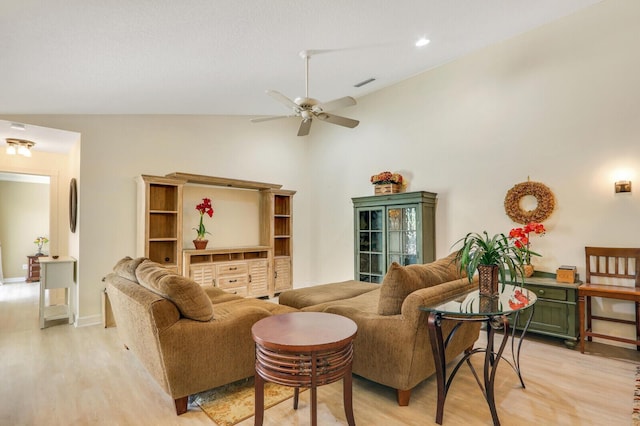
[
  {"x": 393, "y": 228},
  {"x": 556, "y": 311}
]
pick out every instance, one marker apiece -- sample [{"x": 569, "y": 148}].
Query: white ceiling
[{"x": 218, "y": 57}]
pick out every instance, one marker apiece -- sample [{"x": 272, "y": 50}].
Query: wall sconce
[
  {"x": 19, "y": 146},
  {"x": 623, "y": 186}
]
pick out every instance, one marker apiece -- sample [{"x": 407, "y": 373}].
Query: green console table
[{"x": 556, "y": 312}]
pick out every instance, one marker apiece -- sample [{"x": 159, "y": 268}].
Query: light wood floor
[{"x": 64, "y": 375}]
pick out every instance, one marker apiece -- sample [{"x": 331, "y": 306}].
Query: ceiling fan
[{"x": 309, "y": 108}]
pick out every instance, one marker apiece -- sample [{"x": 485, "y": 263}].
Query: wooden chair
[{"x": 609, "y": 266}]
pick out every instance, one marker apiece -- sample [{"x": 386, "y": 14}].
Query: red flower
[
  {"x": 521, "y": 237},
  {"x": 205, "y": 207}
]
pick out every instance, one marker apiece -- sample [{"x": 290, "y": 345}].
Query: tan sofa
[
  {"x": 189, "y": 338},
  {"x": 392, "y": 345}
]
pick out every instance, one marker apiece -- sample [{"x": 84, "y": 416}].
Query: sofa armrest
[
  {"x": 434, "y": 295},
  {"x": 203, "y": 355}
]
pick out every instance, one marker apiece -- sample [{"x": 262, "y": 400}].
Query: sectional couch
[{"x": 192, "y": 338}]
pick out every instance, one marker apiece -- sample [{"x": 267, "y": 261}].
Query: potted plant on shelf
[
  {"x": 204, "y": 207},
  {"x": 492, "y": 257}
]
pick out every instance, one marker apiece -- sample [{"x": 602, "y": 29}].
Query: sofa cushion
[
  {"x": 188, "y": 296},
  {"x": 310, "y": 296},
  {"x": 400, "y": 281},
  {"x": 126, "y": 268},
  {"x": 365, "y": 303}
]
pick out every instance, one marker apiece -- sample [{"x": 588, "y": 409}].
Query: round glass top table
[
  {"x": 304, "y": 350},
  {"x": 496, "y": 312}
]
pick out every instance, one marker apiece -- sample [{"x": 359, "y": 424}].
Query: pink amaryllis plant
[{"x": 204, "y": 207}]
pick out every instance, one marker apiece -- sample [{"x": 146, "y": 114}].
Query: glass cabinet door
[
  {"x": 370, "y": 256},
  {"x": 402, "y": 226}
]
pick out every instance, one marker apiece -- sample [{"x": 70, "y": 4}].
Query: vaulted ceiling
[{"x": 218, "y": 57}]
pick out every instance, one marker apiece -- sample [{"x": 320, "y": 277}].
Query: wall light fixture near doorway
[{"x": 19, "y": 146}]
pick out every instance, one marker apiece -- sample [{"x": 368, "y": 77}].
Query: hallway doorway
[{"x": 24, "y": 217}]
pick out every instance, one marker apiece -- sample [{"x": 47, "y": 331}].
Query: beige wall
[
  {"x": 235, "y": 221},
  {"x": 24, "y": 216},
  {"x": 559, "y": 104}
]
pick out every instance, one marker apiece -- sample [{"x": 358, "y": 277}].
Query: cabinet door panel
[
  {"x": 202, "y": 274},
  {"x": 282, "y": 267},
  {"x": 549, "y": 316},
  {"x": 258, "y": 278}
]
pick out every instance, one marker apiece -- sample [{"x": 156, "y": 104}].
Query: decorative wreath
[{"x": 544, "y": 196}]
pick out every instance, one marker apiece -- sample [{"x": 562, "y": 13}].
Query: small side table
[
  {"x": 495, "y": 313},
  {"x": 304, "y": 350},
  {"x": 56, "y": 273}
]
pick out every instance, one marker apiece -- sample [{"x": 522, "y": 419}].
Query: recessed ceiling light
[{"x": 423, "y": 41}]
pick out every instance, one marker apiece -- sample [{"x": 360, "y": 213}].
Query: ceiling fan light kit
[{"x": 308, "y": 108}]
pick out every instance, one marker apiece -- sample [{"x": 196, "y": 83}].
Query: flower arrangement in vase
[
  {"x": 203, "y": 208},
  {"x": 387, "y": 182},
  {"x": 522, "y": 241},
  {"x": 40, "y": 241}
]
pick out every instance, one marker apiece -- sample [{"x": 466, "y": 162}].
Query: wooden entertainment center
[{"x": 255, "y": 271}]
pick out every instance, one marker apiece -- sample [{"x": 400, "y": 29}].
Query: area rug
[{"x": 232, "y": 403}]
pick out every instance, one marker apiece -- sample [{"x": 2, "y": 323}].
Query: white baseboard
[
  {"x": 13, "y": 280},
  {"x": 88, "y": 321}
]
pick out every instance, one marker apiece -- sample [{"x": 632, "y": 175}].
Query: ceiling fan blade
[
  {"x": 269, "y": 118},
  {"x": 336, "y": 119},
  {"x": 305, "y": 126},
  {"x": 283, "y": 100},
  {"x": 347, "y": 101}
]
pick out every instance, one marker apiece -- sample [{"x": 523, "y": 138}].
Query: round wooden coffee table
[{"x": 304, "y": 350}]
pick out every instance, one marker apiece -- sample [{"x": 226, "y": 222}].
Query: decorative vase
[
  {"x": 488, "y": 280},
  {"x": 200, "y": 244},
  {"x": 488, "y": 304},
  {"x": 528, "y": 270}
]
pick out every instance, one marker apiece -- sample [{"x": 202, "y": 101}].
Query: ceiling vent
[{"x": 367, "y": 81}]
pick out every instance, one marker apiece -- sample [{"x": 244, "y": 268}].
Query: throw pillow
[
  {"x": 126, "y": 268},
  {"x": 400, "y": 281},
  {"x": 188, "y": 296}
]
